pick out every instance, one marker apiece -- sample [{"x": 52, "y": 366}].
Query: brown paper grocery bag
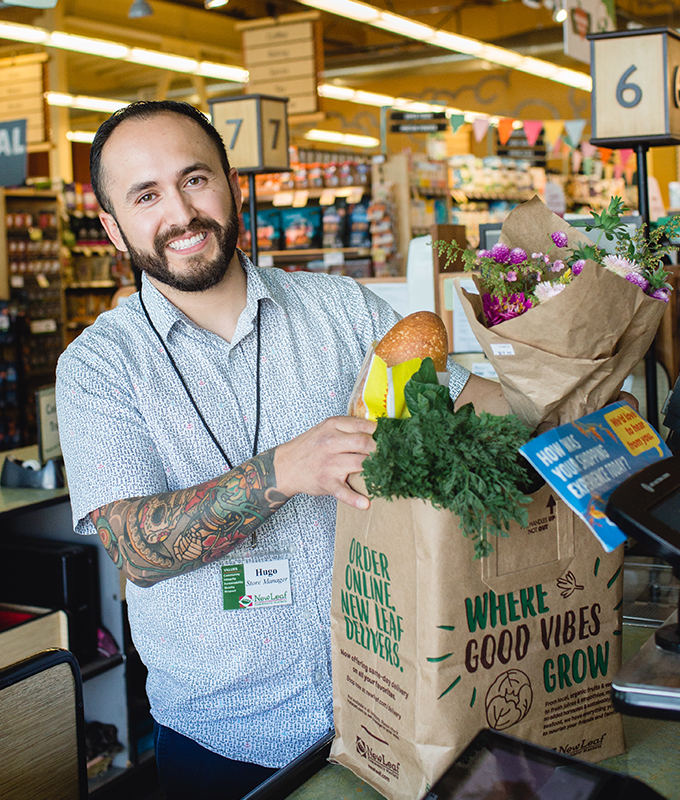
[{"x": 429, "y": 646}]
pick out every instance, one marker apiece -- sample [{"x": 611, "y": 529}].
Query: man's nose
[{"x": 179, "y": 209}]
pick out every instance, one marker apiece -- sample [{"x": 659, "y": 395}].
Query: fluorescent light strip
[
  {"x": 403, "y": 26},
  {"x": 135, "y": 55},
  {"x": 86, "y": 137},
  {"x": 398, "y": 103},
  {"x": 335, "y": 137},
  {"x": 84, "y": 103}
]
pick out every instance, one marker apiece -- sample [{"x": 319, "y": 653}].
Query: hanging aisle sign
[
  {"x": 636, "y": 88},
  {"x": 418, "y": 122},
  {"x": 254, "y": 128},
  {"x": 13, "y": 154}
]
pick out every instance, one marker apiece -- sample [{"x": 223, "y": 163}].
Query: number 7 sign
[
  {"x": 635, "y": 97},
  {"x": 255, "y": 131}
]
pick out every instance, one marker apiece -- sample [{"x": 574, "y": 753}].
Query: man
[{"x": 202, "y": 426}]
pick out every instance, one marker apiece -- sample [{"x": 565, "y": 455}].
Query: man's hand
[{"x": 319, "y": 461}]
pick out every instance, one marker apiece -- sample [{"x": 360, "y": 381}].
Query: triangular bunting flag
[
  {"x": 456, "y": 121},
  {"x": 553, "y": 129},
  {"x": 588, "y": 150},
  {"x": 480, "y": 125},
  {"x": 574, "y": 129},
  {"x": 605, "y": 154},
  {"x": 624, "y": 154},
  {"x": 618, "y": 170},
  {"x": 504, "y": 129},
  {"x": 532, "y": 130}
]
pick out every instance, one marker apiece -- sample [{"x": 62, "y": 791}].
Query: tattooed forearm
[{"x": 158, "y": 537}]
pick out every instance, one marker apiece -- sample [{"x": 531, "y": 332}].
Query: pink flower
[
  {"x": 638, "y": 280},
  {"x": 511, "y": 277},
  {"x": 517, "y": 255},
  {"x": 620, "y": 265},
  {"x": 661, "y": 294},
  {"x": 500, "y": 253},
  {"x": 557, "y": 266},
  {"x": 560, "y": 238},
  {"x": 577, "y": 267},
  {"x": 498, "y": 310},
  {"x": 545, "y": 291},
  {"x": 483, "y": 254}
]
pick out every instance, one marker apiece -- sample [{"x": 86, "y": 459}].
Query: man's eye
[
  {"x": 146, "y": 198},
  {"x": 195, "y": 180}
]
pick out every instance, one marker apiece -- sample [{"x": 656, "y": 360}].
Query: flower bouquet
[{"x": 562, "y": 322}]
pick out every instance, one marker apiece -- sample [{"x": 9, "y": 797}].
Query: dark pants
[{"x": 187, "y": 770}]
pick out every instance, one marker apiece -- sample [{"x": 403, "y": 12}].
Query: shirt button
[
  {"x": 318, "y": 676},
  {"x": 307, "y": 614}
]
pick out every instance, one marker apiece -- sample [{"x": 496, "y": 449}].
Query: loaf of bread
[{"x": 418, "y": 335}]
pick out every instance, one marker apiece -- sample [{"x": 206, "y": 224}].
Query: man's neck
[{"x": 217, "y": 309}]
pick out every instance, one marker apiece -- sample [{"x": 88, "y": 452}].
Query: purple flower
[
  {"x": 511, "y": 277},
  {"x": 661, "y": 294},
  {"x": 577, "y": 267},
  {"x": 498, "y": 310},
  {"x": 557, "y": 266},
  {"x": 638, "y": 280},
  {"x": 483, "y": 254},
  {"x": 560, "y": 238},
  {"x": 517, "y": 255},
  {"x": 501, "y": 253},
  {"x": 539, "y": 277}
]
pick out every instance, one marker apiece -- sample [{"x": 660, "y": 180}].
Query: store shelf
[
  {"x": 462, "y": 196},
  {"x": 311, "y": 194},
  {"x": 309, "y": 255},
  {"x": 91, "y": 285},
  {"x": 98, "y": 249}
]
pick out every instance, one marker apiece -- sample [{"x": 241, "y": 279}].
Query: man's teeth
[{"x": 183, "y": 244}]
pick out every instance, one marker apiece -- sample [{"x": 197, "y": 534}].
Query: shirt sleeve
[
  {"x": 108, "y": 452},
  {"x": 383, "y": 317}
]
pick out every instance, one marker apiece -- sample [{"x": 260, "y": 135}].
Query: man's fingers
[
  {"x": 344, "y": 494},
  {"x": 355, "y": 425}
]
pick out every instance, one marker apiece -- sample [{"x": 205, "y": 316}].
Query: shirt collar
[{"x": 166, "y": 316}]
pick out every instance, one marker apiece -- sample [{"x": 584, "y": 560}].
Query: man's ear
[
  {"x": 113, "y": 231},
  {"x": 235, "y": 188}
]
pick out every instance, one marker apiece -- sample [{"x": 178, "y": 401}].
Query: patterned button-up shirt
[{"x": 252, "y": 684}]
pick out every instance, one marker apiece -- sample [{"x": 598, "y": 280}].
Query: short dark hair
[{"x": 144, "y": 109}]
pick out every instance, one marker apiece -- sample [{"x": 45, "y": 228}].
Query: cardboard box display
[{"x": 429, "y": 646}]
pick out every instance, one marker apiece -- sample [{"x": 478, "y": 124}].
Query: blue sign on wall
[{"x": 13, "y": 156}]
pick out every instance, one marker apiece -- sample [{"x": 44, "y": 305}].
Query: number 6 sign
[
  {"x": 254, "y": 128},
  {"x": 635, "y": 97}
]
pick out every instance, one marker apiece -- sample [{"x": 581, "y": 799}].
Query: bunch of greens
[{"x": 457, "y": 460}]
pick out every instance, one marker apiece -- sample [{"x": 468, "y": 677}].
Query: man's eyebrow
[
  {"x": 137, "y": 188},
  {"x": 199, "y": 166}
]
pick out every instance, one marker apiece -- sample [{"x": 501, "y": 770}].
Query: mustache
[{"x": 197, "y": 225}]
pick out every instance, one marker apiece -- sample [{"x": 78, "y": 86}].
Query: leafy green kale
[{"x": 458, "y": 460}]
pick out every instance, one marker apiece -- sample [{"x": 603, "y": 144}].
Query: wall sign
[
  {"x": 636, "y": 90},
  {"x": 13, "y": 155},
  {"x": 48, "y": 428},
  {"x": 255, "y": 131}
]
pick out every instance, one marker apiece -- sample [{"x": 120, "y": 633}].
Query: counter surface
[
  {"x": 653, "y": 753},
  {"x": 13, "y": 500}
]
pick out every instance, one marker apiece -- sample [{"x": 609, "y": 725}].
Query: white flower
[
  {"x": 621, "y": 266},
  {"x": 546, "y": 290}
]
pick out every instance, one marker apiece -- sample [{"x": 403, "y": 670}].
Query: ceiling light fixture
[
  {"x": 335, "y": 137},
  {"x": 139, "y": 9},
  {"x": 84, "y": 103},
  {"x": 87, "y": 137},
  {"x": 404, "y": 26},
  {"x": 108, "y": 49},
  {"x": 209, "y": 4}
]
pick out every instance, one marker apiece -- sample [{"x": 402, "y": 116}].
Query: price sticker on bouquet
[
  {"x": 260, "y": 584},
  {"x": 502, "y": 349}
]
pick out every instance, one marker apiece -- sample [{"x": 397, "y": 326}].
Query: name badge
[{"x": 257, "y": 584}]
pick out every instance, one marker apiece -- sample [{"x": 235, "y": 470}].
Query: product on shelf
[
  {"x": 268, "y": 230},
  {"x": 335, "y": 224},
  {"x": 359, "y": 234},
  {"x": 302, "y": 228}
]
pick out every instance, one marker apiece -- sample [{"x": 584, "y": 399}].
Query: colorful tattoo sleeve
[{"x": 158, "y": 537}]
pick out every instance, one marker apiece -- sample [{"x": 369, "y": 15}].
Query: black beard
[{"x": 198, "y": 274}]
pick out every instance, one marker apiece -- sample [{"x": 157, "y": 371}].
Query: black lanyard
[{"x": 191, "y": 398}]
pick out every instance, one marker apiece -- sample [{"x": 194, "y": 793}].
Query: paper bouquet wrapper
[
  {"x": 568, "y": 356},
  {"x": 379, "y": 389}
]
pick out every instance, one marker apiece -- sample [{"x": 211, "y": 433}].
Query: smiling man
[{"x": 203, "y": 433}]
